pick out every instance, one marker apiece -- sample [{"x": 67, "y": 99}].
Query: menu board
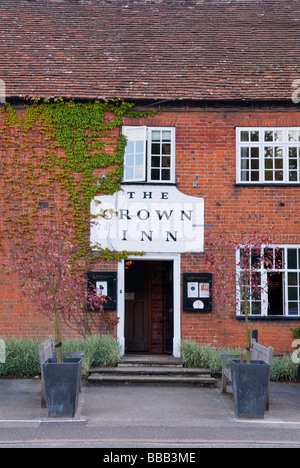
[
  {"x": 105, "y": 283},
  {"x": 197, "y": 292}
]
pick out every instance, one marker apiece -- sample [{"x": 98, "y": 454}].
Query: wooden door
[
  {"x": 167, "y": 307},
  {"x": 136, "y": 306}
]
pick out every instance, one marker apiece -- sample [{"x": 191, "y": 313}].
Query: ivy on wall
[{"x": 53, "y": 154}]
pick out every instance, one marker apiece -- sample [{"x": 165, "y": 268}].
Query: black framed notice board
[
  {"x": 106, "y": 282},
  {"x": 197, "y": 292}
]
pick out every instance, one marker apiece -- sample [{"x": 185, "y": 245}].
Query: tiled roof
[{"x": 150, "y": 49}]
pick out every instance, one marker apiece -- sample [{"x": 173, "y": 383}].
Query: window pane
[
  {"x": 129, "y": 160},
  {"x": 166, "y": 148},
  {"x": 245, "y": 176},
  {"x": 139, "y": 147},
  {"x": 139, "y": 172},
  {"x": 254, "y": 176},
  {"x": 166, "y": 174},
  {"x": 292, "y": 279},
  {"x": 166, "y": 161},
  {"x": 245, "y": 152},
  {"x": 155, "y": 148},
  {"x": 244, "y": 136},
  {"x": 166, "y": 135},
  {"x": 278, "y": 135},
  {"x": 139, "y": 160},
  {"x": 293, "y": 135},
  {"x": 155, "y": 161},
  {"x": 292, "y": 308},
  {"x": 292, "y": 294},
  {"x": 255, "y": 136},
  {"x": 254, "y": 152},
  {"x": 155, "y": 135},
  {"x": 269, "y": 175},
  {"x": 155, "y": 174},
  {"x": 129, "y": 173},
  {"x": 269, "y": 136},
  {"x": 245, "y": 164},
  {"x": 130, "y": 147},
  {"x": 292, "y": 259}
]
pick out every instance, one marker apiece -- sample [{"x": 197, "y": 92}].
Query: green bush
[
  {"x": 283, "y": 368},
  {"x": 22, "y": 355}
]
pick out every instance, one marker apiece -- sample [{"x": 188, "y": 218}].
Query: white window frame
[
  {"x": 286, "y": 271},
  {"x": 146, "y": 176},
  {"x": 261, "y": 144}
]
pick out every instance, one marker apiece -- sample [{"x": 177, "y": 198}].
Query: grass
[
  {"x": 283, "y": 369},
  {"x": 22, "y": 355}
]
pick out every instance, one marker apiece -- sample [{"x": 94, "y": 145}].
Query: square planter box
[
  {"x": 62, "y": 383},
  {"x": 250, "y": 385}
]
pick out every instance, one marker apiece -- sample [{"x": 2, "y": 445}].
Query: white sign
[{"x": 148, "y": 218}]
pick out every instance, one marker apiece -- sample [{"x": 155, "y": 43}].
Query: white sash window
[
  {"x": 149, "y": 154},
  {"x": 279, "y": 283},
  {"x": 268, "y": 155}
]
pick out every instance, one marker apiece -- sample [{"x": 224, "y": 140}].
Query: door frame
[{"x": 176, "y": 259}]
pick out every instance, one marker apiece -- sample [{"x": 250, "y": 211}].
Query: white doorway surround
[{"x": 176, "y": 259}]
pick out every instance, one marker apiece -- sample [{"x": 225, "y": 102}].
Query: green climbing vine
[{"x": 53, "y": 153}]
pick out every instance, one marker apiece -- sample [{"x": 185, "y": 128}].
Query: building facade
[{"x": 220, "y": 156}]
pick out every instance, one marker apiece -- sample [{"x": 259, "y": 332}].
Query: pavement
[{"x": 146, "y": 417}]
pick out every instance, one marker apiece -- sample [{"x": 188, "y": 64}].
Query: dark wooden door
[
  {"x": 136, "y": 306},
  {"x": 167, "y": 307}
]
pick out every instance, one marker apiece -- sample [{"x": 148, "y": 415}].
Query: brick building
[{"x": 222, "y": 156}]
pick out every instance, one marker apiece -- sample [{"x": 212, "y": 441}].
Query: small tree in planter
[
  {"x": 56, "y": 284},
  {"x": 249, "y": 253},
  {"x": 237, "y": 264}
]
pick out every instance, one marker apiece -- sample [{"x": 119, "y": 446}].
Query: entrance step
[
  {"x": 150, "y": 360},
  {"x": 146, "y": 370}
]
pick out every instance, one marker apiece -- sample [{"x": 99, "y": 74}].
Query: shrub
[
  {"x": 283, "y": 368},
  {"x": 22, "y": 355}
]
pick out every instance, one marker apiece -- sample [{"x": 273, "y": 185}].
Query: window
[
  {"x": 268, "y": 155},
  {"x": 149, "y": 154},
  {"x": 278, "y": 277}
]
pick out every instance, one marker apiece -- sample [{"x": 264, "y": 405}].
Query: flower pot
[
  {"x": 250, "y": 384},
  {"x": 62, "y": 382},
  {"x": 298, "y": 373}
]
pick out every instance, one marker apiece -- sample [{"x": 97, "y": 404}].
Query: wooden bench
[
  {"x": 46, "y": 351},
  {"x": 258, "y": 352}
]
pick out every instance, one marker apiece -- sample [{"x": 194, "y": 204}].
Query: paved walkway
[{"x": 144, "y": 416}]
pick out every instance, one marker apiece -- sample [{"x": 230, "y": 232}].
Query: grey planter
[
  {"x": 62, "y": 383},
  {"x": 250, "y": 384}
]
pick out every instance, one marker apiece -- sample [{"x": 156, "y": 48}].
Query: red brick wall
[{"x": 205, "y": 145}]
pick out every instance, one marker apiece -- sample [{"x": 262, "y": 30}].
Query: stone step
[
  {"x": 137, "y": 379},
  {"x": 151, "y": 372},
  {"x": 150, "y": 360}
]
